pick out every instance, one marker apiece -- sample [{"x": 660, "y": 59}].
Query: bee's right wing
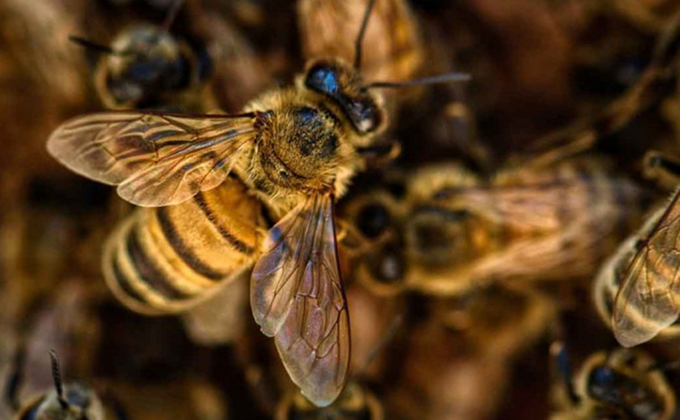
[
  {"x": 155, "y": 159},
  {"x": 298, "y": 298},
  {"x": 649, "y": 298}
]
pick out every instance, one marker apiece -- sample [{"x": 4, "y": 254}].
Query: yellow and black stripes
[{"x": 162, "y": 260}]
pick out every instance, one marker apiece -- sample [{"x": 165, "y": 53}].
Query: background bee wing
[
  {"x": 297, "y": 297},
  {"x": 155, "y": 159},
  {"x": 649, "y": 296}
]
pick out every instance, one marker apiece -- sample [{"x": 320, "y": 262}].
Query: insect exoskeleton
[
  {"x": 286, "y": 158},
  {"x": 526, "y": 224},
  {"x": 66, "y": 402},
  {"x": 619, "y": 384}
]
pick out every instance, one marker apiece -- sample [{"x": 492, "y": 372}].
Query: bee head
[
  {"x": 345, "y": 88},
  {"x": 148, "y": 63}
]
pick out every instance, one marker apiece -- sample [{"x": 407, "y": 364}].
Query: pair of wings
[
  {"x": 296, "y": 291},
  {"x": 649, "y": 298}
]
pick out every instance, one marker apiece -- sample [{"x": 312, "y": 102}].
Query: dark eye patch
[{"x": 323, "y": 79}]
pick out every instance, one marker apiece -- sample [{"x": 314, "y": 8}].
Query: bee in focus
[
  {"x": 148, "y": 67},
  {"x": 637, "y": 289},
  {"x": 65, "y": 402},
  {"x": 209, "y": 184},
  {"x": 452, "y": 231},
  {"x": 621, "y": 384}
]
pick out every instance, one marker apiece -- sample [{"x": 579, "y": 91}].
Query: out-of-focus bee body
[
  {"x": 84, "y": 404},
  {"x": 524, "y": 225},
  {"x": 622, "y": 384},
  {"x": 497, "y": 320},
  {"x": 70, "y": 401},
  {"x": 451, "y": 231},
  {"x": 636, "y": 290},
  {"x": 356, "y": 402},
  {"x": 151, "y": 68}
]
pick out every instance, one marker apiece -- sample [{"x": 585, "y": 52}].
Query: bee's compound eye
[
  {"x": 322, "y": 79},
  {"x": 373, "y": 220}
]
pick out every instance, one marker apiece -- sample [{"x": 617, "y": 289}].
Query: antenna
[
  {"x": 56, "y": 375},
  {"x": 92, "y": 46},
  {"x": 431, "y": 80},
  {"x": 172, "y": 14},
  {"x": 362, "y": 32}
]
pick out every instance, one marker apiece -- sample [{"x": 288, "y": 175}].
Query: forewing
[
  {"x": 155, "y": 159},
  {"x": 649, "y": 296},
  {"x": 297, "y": 297}
]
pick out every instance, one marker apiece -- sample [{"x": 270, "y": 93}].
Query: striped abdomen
[{"x": 164, "y": 259}]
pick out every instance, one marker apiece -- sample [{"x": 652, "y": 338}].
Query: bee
[
  {"x": 67, "y": 402},
  {"x": 621, "y": 384},
  {"x": 207, "y": 185},
  {"x": 636, "y": 289},
  {"x": 147, "y": 67},
  {"x": 458, "y": 232}
]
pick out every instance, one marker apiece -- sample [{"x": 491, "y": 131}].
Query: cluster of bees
[{"x": 360, "y": 179}]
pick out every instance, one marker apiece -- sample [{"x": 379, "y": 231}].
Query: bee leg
[
  {"x": 662, "y": 169},
  {"x": 380, "y": 153}
]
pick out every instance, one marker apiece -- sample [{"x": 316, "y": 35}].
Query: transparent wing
[
  {"x": 155, "y": 159},
  {"x": 297, "y": 297},
  {"x": 649, "y": 298}
]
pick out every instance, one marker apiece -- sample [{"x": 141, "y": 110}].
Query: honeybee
[
  {"x": 208, "y": 183},
  {"x": 621, "y": 384},
  {"x": 452, "y": 231},
  {"x": 148, "y": 67},
  {"x": 636, "y": 289},
  {"x": 68, "y": 402}
]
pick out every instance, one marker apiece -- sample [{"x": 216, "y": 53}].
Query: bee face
[
  {"x": 150, "y": 62},
  {"x": 344, "y": 86}
]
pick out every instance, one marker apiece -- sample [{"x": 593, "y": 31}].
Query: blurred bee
[
  {"x": 148, "y": 67},
  {"x": 355, "y": 402},
  {"x": 452, "y": 231},
  {"x": 637, "y": 288},
  {"x": 70, "y": 402},
  {"x": 621, "y": 384},
  {"x": 496, "y": 319},
  {"x": 209, "y": 182}
]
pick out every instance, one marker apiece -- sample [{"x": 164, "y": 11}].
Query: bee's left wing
[
  {"x": 156, "y": 159},
  {"x": 649, "y": 298},
  {"x": 297, "y": 297}
]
